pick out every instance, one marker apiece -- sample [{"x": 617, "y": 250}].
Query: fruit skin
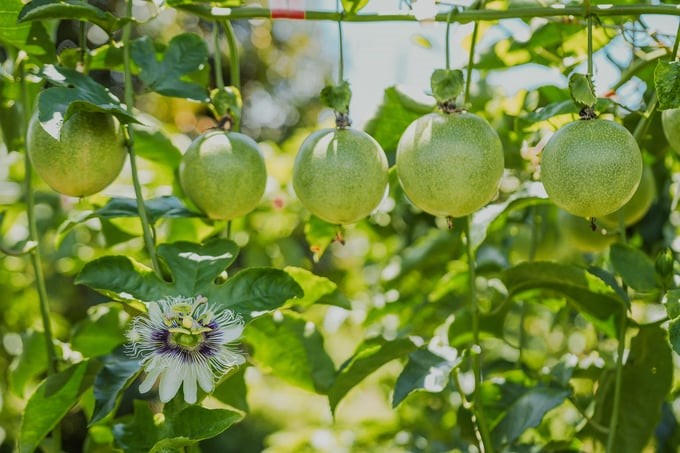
[
  {"x": 223, "y": 174},
  {"x": 591, "y": 168},
  {"x": 670, "y": 120},
  {"x": 340, "y": 175},
  {"x": 450, "y": 164},
  {"x": 636, "y": 208},
  {"x": 578, "y": 233},
  {"x": 88, "y": 156}
]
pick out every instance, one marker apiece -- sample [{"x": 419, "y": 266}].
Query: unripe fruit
[
  {"x": 450, "y": 164},
  {"x": 88, "y": 156},
  {"x": 340, "y": 175},
  {"x": 670, "y": 120},
  {"x": 223, "y": 174},
  {"x": 591, "y": 168},
  {"x": 636, "y": 208},
  {"x": 578, "y": 233}
]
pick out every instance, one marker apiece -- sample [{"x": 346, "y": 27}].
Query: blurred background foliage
[{"x": 399, "y": 273}]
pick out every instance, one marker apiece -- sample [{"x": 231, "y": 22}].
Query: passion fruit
[
  {"x": 670, "y": 120},
  {"x": 636, "y": 208}
]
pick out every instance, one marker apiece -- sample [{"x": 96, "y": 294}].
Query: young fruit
[
  {"x": 591, "y": 168},
  {"x": 340, "y": 175},
  {"x": 670, "y": 120},
  {"x": 450, "y": 164},
  {"x": 578, "y": 233},
  {"x": 224, "y": 174},
  {"x": 88, "y": 156},
  {"x": 636, "y": 208}
]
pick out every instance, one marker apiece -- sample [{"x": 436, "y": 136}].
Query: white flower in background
[{"x": 184, "y": 340}]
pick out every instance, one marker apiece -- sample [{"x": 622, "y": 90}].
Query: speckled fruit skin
[
  {"x": 88, "y": 156},
  {"x": 636, "y": 208},
  {"x": 579, "y": 234},
  {"x": 591, "y": 168},
  {"x": 670, "y": 120},
  {"x": 340, "y": 175},
  {"x": 450, "y": 164},
  {"x": 223, "y": 174}
]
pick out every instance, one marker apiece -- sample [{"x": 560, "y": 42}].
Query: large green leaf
[
  {"x": 100, "y": 332},
  {"x": 317, "y": 289},
  {"x": 185, "y": 53},
  {"x": 73, "y": 91},
  {"x": 116, "y": 375},
  {"x": 667, "y": 84},
  {"x": 233, "y": 390},
  {"x": 634, "y": 266},
  {"x": 591, "y": 296},
  {"x": 425, "y": 370},
  {"x": 526, "y": 412},
  {"x": 38, "y": 10},
  {"x": 369, "y": 356},
  {"x": 53, "y": 398},
  {"x": 154, "y": 145},
  {"x": 293, "y": 349},
  {"x": 142, "y": 434},
  {"x": 31, "y": 38},
  {"x": 31, "y": 363},
  {"x": 646, "y": 380}
]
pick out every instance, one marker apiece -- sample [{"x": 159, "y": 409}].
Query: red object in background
[{"x": 287, "y": 9}]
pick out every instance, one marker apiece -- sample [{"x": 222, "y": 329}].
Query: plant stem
[
  {"x": 476, "y": 352},
  {"x": 83, "y": 42},
  {"x": 234, "y": 65},
  {"x": 34, "y": 254},
  {"x": 219, "y": 76},
  {"x": 471, "y": 59},
  {"x": 129, "y": 144},
  {"x": 614, "y": 421},
  {"x": 463, "y": 16},
  {"x": 448, "y": 31},
  {"x": 589, "y": 19},
  {"x": 676, "y": 44},
  {"x": 341, "y": 58}
]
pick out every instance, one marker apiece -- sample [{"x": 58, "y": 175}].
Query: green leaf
[
  {"x": 667, "y": 84},
  {"x": 646, "y": 380},
  {"x": 31, "y": 363},
  {"x": 319, "y": 234},
  {"x": 396, "y": 112},
  {"x": 587, "y": 293},
  {"x": 39, "y": 10},
  {"x": 526, "y": 412},
  {"x": 353, "y": 6},
  {"x": 671, "y": 301},
  {"x": 195, "y": 267},
  {"x": 123, "y": 279},
  {"x": 156, "y": 146},
  {"x": 50, "y": 402},
  {"x": 141, "y": 434},
  {"x": 611, "y": 281},
  {"x": 634, "y": 266},
  {"x": 233, "y": 390},
  {"x": 101, "y": 332},
  {"x": 317, "y": 289},
  {"x": 185, "y": 53},
  {"x": 582, "y": 90},
  {"x": 337, "y": 97},
  {"x": 31, "y": 38},
  {"x": 447, "y": 84},
  {"x": 227, "y": 101},
  {"x": 73, "y": 92},
  {"x": 369, "y": 356},
  {"x": 424, "y": 371},
  {"x": 293, "y": 349},
  {"x": 255, "y": 290},
  {"x": 118, "y": 372}
]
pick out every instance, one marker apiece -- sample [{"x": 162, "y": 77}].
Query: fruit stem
[
  {"x": 82, "y": 37},
  {"x": 676, "y": 44},
  {"x": 589, "y": 18},
  {"x": 234, "y": 65},
  {"x": 448, "y": 30},
  {"x": 34, "y": 254},
  {"x": 341, "y": 60},
  {"x": 476, "y": 350},
  {"x": 129, "y": 145},
  {"x": 644, "y": 122},
  {"x": 217, "y": 57},
  {"x": 471, "y": 59}
]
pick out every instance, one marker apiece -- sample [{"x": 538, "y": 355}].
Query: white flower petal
[
  {"x": 230, "y": 358},
  {"x": 150, "y": 379},
  {"x": 205, "y": 378},
  {"x": 155, "y": 314},
  {"x": 190, "y": 389},
  {"x": 171, "y": 379},
  {"x": 231, "y": 332}
]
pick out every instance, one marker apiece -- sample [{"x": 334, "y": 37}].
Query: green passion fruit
[
  {"x": 670, "y": 120},
  {"x": 578, "y": 233},
  {"x": 450, "y": 164},
  {"x": 636, "y": 208},
  {"x": 223, "y": 174},
  {"x": 86, "y": 158},
  {"x": 591, "y": 168},
  {"x": 340, "y": 175}
]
